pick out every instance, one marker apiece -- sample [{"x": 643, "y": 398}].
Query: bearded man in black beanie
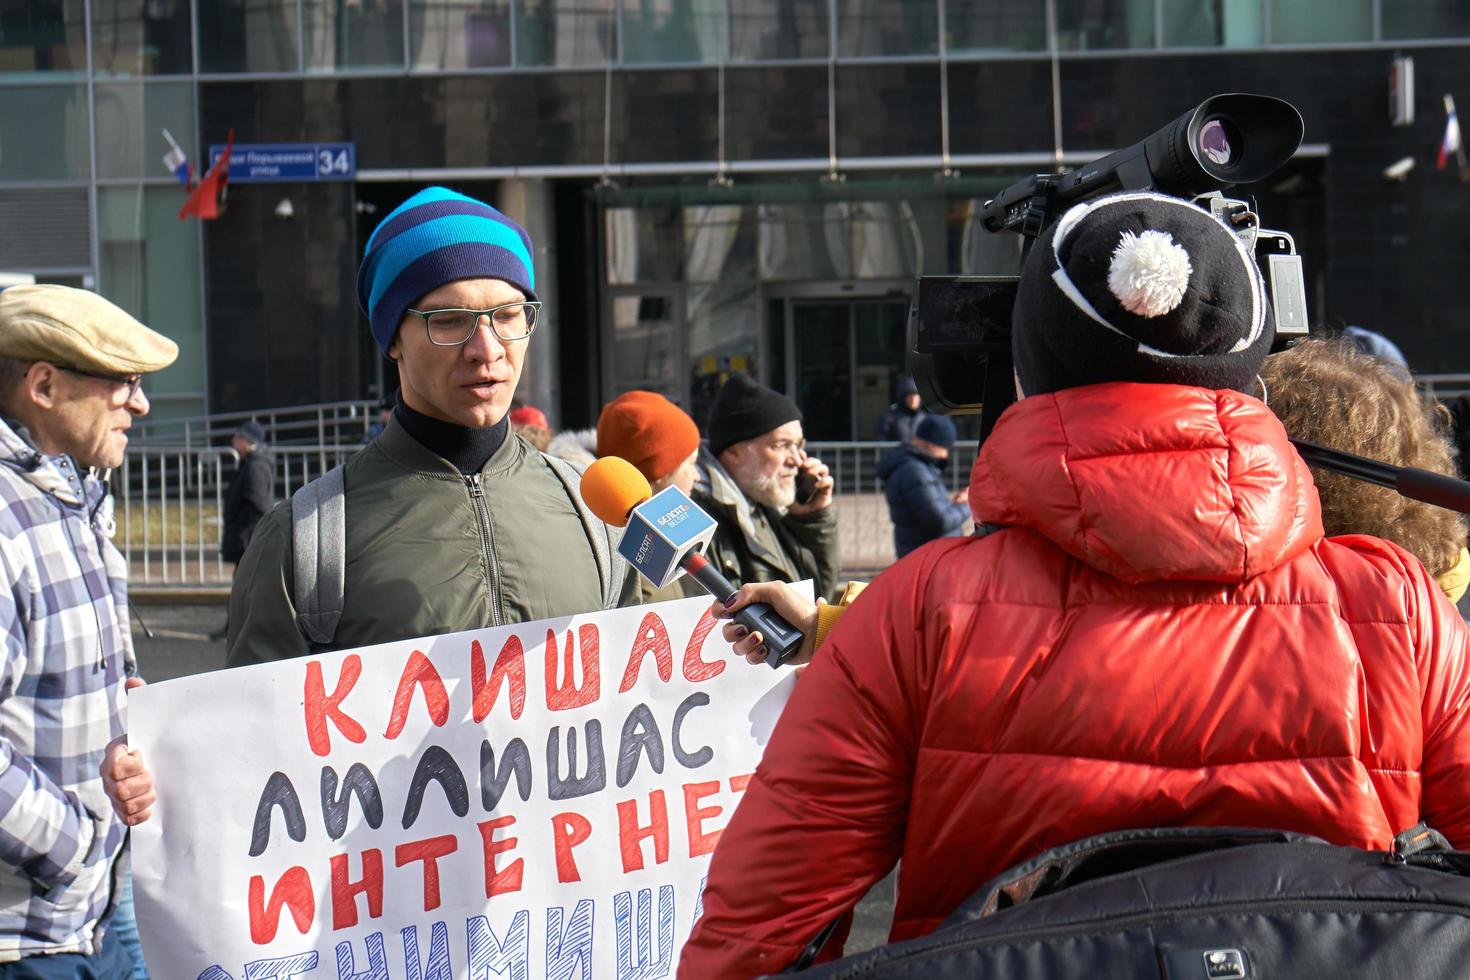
[
  {"x": 1153, "y": 633},
  {"x": 748, "y": 483}
]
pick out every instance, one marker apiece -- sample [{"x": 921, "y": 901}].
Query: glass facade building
[{"x": 713, "y": 185}]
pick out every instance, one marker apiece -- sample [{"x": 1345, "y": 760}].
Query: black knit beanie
[
  {"x": 1143, "y": 287},
  {"x": 744, "y": 409}
]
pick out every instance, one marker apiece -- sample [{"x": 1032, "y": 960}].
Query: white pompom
[{"x": 1149, "y": 273}]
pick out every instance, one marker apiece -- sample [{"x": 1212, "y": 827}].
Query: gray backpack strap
[
  {"x": 319, "y": 555},
  {"x": 611, "y": 567}
]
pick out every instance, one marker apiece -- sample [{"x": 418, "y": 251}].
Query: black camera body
[{"x": 960, "y": 326}]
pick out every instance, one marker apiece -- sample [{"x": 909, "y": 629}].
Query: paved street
[{"x": 180, "y": 644}]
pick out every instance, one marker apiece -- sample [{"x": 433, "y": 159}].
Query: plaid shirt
[{"x": 67, "y": 651}]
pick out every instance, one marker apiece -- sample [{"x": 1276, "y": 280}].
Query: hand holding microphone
[
  {"x": 788, "y": 603},
  {"x": 666, "y": 534}
]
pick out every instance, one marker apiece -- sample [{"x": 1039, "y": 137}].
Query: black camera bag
[{"x": 1199, "y": 903}]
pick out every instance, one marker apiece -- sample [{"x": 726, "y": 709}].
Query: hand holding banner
[{"x": 536, "y": 800}]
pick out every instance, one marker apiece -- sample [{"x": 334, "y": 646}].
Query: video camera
[{"x": 959, "y": 333}]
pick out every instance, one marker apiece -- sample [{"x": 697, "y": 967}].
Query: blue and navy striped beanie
[{"x": 434, "y": 237}]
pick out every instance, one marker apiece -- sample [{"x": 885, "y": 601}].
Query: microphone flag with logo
[
  {"x": 661, "y": 528},
  {"x": 665, "y": 535}
]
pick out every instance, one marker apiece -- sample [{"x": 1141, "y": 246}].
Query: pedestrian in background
[
  {"x": 900, "y": 420},
  {"x": 71, "y": 372},
  {"x": 252, "y": 490},
  {"x": 376, "y": 427},
  {"x": 920, "y": 503}
]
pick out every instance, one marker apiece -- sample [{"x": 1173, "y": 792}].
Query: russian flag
[
  {"x": 1451, "y": 142},
  {"x": 204, "y": 200},
  {"x": 176, "y": 161}
]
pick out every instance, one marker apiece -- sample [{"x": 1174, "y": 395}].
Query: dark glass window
[
  {"x": 57, "y": 151},
  {"x": 646, "y": 340},
  {"x": 140, "y": 37},
  {"x": 1404, "y": 19},
  {"x": 776, "y": 112},
  {"x": 248, "y": 35},
  {"x": 353, "y": 34},
  {"x": 719, "y": 242},
  {"x": 1321, "y": 21},
  {"x": 762, "y": 30},
  {"x": 722, "y": 338},
  {"x": 662, "y": 115},
  {"x": 1213, "y": 23},
  {"x": 889, "y": 109},
  {"x": 43, "y": 37},
  {"x": 644, "y": 245},
  {"x": 874, "y": 28},
  {"x": 453, "y": 34},
  {"x": 776, "y": 344},
  {"x": 660, "y": 32},
  {"x": 1088, "y": 25},
  {"x": 130, "y": 119},
  {"x": 994, "y": 25},
  {"x": 149, "y": 266},
  {"x": 565, "y": 32}
]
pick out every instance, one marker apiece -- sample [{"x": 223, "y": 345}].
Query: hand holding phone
[{"x": 813, "y": 486}]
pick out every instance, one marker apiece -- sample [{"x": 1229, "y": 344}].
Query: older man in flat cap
[{"x": 71, "y": 370}]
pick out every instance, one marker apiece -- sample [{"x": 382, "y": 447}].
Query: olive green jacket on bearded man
[
  {"x": 757, "y": 543},
  {"x": 420, "y": 561}
]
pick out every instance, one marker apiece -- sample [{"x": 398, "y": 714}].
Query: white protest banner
[{"x": 530, "y": 801}]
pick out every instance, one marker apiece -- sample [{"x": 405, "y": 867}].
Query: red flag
[{"x": 204, "y": 200}]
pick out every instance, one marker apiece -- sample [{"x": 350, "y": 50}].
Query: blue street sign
[{"x": 282, "y": 163}]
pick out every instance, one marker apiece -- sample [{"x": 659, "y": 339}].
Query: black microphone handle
[
  {"x": 781, "y": 639},
  {"x": 1416, "y": 484}
]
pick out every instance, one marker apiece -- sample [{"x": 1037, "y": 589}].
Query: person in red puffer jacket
[{"x": 1154, "y": 631}]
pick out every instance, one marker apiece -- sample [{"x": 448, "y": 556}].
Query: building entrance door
[{"x": 847, "y": 355}]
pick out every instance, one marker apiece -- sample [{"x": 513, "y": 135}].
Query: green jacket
[
  {"x": 420, "y": 561},
  {"x": 756, "y": 543}
]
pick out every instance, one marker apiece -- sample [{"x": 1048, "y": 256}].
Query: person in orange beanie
[{"x": 662, "y": 441}]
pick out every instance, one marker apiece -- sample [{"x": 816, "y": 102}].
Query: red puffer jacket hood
[
  {"x": 1072, "y": 466},
  {"x": 1161, "y": 637}
]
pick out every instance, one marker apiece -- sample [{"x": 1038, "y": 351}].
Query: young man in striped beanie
[{"x": 449, "y": 517}]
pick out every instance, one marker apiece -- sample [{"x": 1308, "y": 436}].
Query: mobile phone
[{"x": 806, "y": 487}]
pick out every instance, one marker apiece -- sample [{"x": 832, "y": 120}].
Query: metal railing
[
  {"x": 324, "y": 424},
  {"x": 169, "y": 503},
  {"x": 864, "y": 528},
  {"x": 1444, "y": 385}
]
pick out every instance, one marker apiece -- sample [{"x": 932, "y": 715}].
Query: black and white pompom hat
[{"x": 1140, "y": 286}]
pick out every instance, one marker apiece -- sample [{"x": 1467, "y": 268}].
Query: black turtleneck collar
[{"x": 466, "y": 449}]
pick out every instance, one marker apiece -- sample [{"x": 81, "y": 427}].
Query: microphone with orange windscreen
[{"x": 666, "y": 534}]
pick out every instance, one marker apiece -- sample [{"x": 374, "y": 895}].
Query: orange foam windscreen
[{"x": 613, "y": 486}]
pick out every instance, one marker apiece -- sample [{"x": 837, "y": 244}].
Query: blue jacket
[
  {"x": 918, "y": 499},
  {"x": 897, "y": 424}
]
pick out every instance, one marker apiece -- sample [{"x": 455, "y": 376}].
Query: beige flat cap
[{"x": 80, "y": 329}]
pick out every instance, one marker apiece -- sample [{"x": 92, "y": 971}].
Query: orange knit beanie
[{"x": 647, "y": 430}]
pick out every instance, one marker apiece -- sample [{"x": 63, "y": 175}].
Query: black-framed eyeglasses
[
  {"x": 132, "y": 381},
  {"x": 453, "y": 327}
]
